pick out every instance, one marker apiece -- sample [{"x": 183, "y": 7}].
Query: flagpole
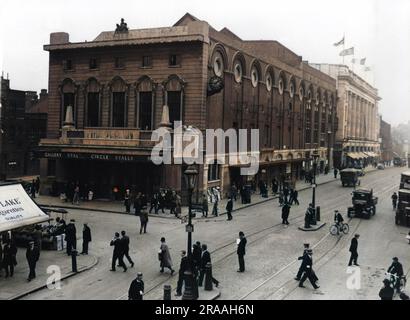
[{"x": 344, "y": 41}]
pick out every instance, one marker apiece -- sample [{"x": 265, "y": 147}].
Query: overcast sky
[{"x": 378, "y": 29}]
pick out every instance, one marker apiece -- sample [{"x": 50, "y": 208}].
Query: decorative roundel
[
  {"x": 291, "y": 90},
  {"x": 280, "y": 86},
  {"x": 237, "y": 71},
  {"x": 254, "y": 77},
  {"x": 269, "y": 82},
  {"x": 301, "y": 93},
  {"x": 218, "y": 64}
]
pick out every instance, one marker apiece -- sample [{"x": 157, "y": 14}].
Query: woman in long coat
[{"x": 166, "y": 261}]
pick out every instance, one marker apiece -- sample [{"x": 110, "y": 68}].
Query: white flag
[
  {"x": 339, "y": 42},
  {"x": 367, "y": 69},
  {"x": 363, "y": 61},
  {"x": 354, "y": 60},
  {"x": 347, "y": 52}
]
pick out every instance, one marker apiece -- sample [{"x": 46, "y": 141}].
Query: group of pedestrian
[
  {"x": 121, "y": 246},
  {"x": 287, "y": 198}
]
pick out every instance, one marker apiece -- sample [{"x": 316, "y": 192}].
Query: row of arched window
[
  {"x": 219, "y": 65},
  {"x": 114, "y": 97}
]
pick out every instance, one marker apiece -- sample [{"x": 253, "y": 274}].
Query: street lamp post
[
  {"x": 315, "y": 158},
  {"x": 190, "y": 174}
]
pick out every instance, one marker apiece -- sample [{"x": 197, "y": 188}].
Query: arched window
[
  {"x": 93, "y": 113},
  {"x": 145, "y": 102},
  {"x": 68, "y": 90},
  {"x": 174, "y": 97},
  {"x": 118, "y": 113}
]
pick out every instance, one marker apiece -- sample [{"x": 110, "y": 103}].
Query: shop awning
[
  {"x": 17, "y": 209},
  {"x": 353, "y": 155},
  {"x": 372, "y": 154}
]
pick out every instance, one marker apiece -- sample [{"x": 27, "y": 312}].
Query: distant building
[
  {"x": 21, "y": 128},
  {"x": 386, "y": 146},
  {"x": 357, "y": 138}
]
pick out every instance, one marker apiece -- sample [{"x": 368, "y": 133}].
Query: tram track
[{"x": 336, "y": 203}]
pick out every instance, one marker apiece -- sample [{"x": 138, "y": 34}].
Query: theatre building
[{"x": 115, "y": 86}]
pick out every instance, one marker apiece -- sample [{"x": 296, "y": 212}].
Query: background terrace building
[
  {"x": 23, "y": 122},
  {"x": 357, "y": 139},
  {"x": 118, "y": 83}
]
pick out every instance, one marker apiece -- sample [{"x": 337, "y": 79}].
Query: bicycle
[
  {"x": 393, "y": 281},
  {"x": 336, "y": 228}
]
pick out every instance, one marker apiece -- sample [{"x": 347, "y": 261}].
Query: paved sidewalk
[
  {"x": 118, "y": 207},
  {"x": 18, "y": 286}
]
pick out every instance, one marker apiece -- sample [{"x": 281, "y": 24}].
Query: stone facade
[
  {"x": 265, "y": 86},
  {"x": 357, "y": 138}
]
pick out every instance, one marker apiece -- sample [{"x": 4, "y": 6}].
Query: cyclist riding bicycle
[
  {"x": 396, "y": 269},
  {"x": 338, "y": 220}
]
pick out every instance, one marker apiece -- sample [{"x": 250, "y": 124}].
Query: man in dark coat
[
  {"x": 32, "y": 255},
  {"x": 205, "y": 259},
  {"x": 154, "y": 203},
  {"x": 394, "y": 198},
  {"x": 136, "y": 290},
  {"x": 241, "y": 251},
  {"x": 184, "y": 266},
  {"x": 387, "y": 292},
  {"x": 127, "y": 201},
  {"x": 118, "y": 252},
  {"x": 71, "y": 236},
  {"x": 229, "y": 207},
  {"x": 294, "y": 194},
  {"x": 353, "y": 250},
  {"x": 307, "y": 264},
  {"x": 335, "y": 171},
  {"x": 8, "y": 263},
  {"x": 86, "y": 238},
  {"x": 196, "y": 254},
  {"x": 300, "y": 272},
  {"x": 126, "y": 247},
  {"x": 285, "y": 213}
]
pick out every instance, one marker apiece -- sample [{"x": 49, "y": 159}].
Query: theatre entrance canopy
[{"x": 17, "y": 209}]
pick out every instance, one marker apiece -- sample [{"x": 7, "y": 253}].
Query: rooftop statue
[{"x": 122, "y": 27}]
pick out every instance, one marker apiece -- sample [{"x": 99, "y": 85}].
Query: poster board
[{"x": 17, "y": 209}]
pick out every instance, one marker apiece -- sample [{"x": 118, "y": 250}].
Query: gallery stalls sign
[
  {"x": 17, "y": 209},
  {"x": 91, "y": 156}
]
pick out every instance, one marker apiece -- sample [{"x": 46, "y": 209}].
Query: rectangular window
[
  {"x": 68, "y": 64},
  {"x": 174, "y": 104},
  {"x": 68, "y": 100},
  {"x": 93, "y": 63},
  {"x": 213, "y": 171},
  {"x": 119, "y": 63},
  {"x": 146, "y": 61},
  {"x": 173, "y": 60},
  {"x": 118, "y": 109},
  {"x": 145, "y": 110},
  {"x": 308, "y": 135},
  {"x": 93, "y": 109}
]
